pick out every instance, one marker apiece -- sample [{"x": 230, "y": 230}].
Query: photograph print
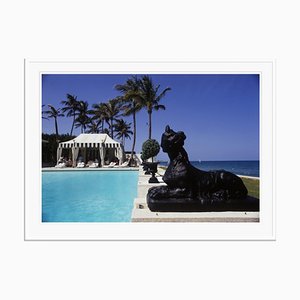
[{"x": 150, "y": 147}]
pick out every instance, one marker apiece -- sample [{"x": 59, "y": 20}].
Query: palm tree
[
  {"x": 43, "y": 113},
  {"x": 132, "y": 103},
  {"x": 71, "y": 107},
  {"x": 99, "y": 115},
  {"x": 54, "y": 113},
  {"x": 112, "y": 112},
  {"x": 123, "y": 130},
  {"x": 150, "y": 97},
  {"x": 93, "y": 127},
  {"x": 106, "y": 131},
  {"x": 82, "y": 118}
]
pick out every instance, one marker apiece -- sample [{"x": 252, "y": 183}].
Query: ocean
[{"x": 239, "y": 167}]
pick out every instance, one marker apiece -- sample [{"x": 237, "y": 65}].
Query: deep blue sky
[{"x": 219, "y": 113}]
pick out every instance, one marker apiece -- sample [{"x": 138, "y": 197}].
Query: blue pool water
[{"x": 88, "y": 196}]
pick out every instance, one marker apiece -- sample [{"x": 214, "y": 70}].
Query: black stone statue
[{"x": 191, "y": 189}]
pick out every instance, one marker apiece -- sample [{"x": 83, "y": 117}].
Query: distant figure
[{"x": 69, "y": 162}]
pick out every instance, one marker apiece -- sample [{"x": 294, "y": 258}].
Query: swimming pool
[{"x": 88, "y": 196}]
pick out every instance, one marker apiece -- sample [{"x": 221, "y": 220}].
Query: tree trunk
[
  {"x": 112, "y": 128},
  {"x": 56, "y": 128},
  {"x": 134, "y": 137},
  {"x": 73, "y": 124},
  {"x": 150, "y": 123},
  {"x": 98, "y": 127}
]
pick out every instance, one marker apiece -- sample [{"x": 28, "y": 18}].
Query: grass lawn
[{"x": 253, "y": 186}]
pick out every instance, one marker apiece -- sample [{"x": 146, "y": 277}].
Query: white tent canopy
[{"x": 99, "y": 141}]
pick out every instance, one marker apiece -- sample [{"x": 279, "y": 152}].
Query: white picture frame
[{"x": 35, "y": 229}]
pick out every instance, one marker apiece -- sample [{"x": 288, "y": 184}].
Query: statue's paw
[
  {"x": 219, "y": 196},
  {"x": 181, "y": 191},
  {"x": 157, "y": 192}
]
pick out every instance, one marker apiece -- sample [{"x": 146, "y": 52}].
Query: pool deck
[
  {"x": 250, "y": 177},
  {"x": 141, "y": 212},
  {"x": 68, "y": 169}
]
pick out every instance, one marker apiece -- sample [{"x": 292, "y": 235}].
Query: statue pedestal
[
  {"x": 151, "y": 169},
  {"x": 153, "y": 179},
  {"x": 191, "y": 205},
  {"x": 141, "y": 213}
]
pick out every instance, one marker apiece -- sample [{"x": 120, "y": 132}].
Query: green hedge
[{"x": 49, "y": 147}]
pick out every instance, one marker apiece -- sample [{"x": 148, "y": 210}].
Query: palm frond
[
  {"x": 158, "y": 107},
  {"x": 162, "y": 94}
]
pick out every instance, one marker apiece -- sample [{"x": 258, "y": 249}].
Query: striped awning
[{"x": 92, "y": 140}]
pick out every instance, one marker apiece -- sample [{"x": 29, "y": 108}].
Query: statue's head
[{"x": 171, "y": 140}]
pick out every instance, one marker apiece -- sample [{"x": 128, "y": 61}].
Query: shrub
[
  {"x": 150, "y": 149},
  {"x": 50, "y": 144}
]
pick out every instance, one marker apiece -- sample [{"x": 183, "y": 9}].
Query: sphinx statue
[{"x": 191, "y": 189}]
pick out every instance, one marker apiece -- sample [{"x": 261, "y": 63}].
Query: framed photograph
[{"x": 149, "y": 150}]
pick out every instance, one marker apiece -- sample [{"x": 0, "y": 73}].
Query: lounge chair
[
  {"x": 61, "y": 165},
  {"x": 94, "y": 165},
  {"x": 124, "y": 164},
  {"x": 111, "y": 165},
  {"x": 80, "y": 165}
]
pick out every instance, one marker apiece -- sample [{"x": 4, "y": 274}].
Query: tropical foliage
[
  {"x": 123, "y": 130},
  {"x": 93, "y": 127},
  {"x": 131, "y": 104},
  {"x": 54, "y": 113},
  {"x": 99, "y": 115},
  {"x": 150, "y": 97},
  {"x": 150, "y": 149},
  {"x": 82, "y": 116},
  {"x": 49, "y": 147},
  {"x": 71, "y": 108},
  {"x": 112, "y": 111},
  {"x": 136, "y": 94}
]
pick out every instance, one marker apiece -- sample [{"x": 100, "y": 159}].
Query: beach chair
[
  {"x": 80, "y": 165},
  {"x": 111, "y": 165},
  {"x": 124, "y": 164},
  {"x": 61, "y": 165},
  {"x": 94, "y": 165}
]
